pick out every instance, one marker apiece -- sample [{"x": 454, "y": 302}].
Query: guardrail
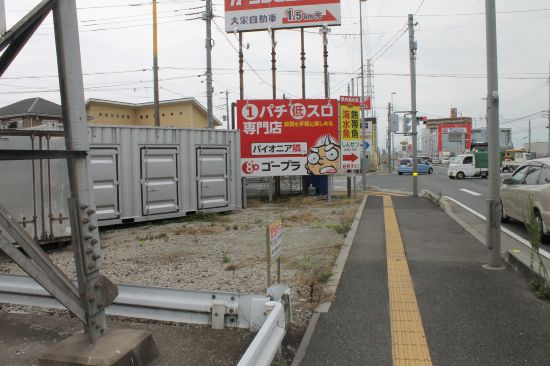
[{"x": 219, "y": 309}]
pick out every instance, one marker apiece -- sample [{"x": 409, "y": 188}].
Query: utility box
[{"x": 138, "y": 174}]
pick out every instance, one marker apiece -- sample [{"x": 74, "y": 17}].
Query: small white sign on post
[{"x": 274, "y": 245}]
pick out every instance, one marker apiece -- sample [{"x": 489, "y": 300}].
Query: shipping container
[{"x": 138, "y": 174}]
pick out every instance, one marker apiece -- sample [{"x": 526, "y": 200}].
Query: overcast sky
[{"x": 116, "y": 48}]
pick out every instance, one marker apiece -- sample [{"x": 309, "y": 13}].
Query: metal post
[
  {"x": 363, "y": 132},
  {"x": 493, "y": 203},
  {"x": 83, "y": 220},
  {"x": 227, "y": 107},
  {"x": 529, "y": 148},
  {"x": 209, "y": 89},
  {"x": 3, "y": 18},
  {"x": 324, "y": 31},
  {"x": 549, "y": 109},
  {"x": 156, "y": 114},
  {"x": 241, "y": 68},
  {"x": 274, "y": 92},
  {"x": 268, "y": 255},
  {"x": 388, "y": 143},
  {"x": 303, "y": 59},
  {"x": 412, "y": 56}
]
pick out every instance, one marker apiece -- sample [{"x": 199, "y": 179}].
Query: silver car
[{"x": 531, "y": 179}]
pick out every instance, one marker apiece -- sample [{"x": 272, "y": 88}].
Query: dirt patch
[{"x": 227, "y": 251}]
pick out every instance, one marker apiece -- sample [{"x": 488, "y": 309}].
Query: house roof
[
  {"x": 31, "y": 107},
  {"x": 191, "y": 100}
]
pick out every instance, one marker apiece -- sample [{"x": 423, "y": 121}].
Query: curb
[
  {"x": 331, "y": 285},
  {"x": 519, "y": 261}
]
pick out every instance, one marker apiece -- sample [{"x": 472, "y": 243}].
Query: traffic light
[
  {"x": 421, "y": 118},
  {"x": 406, "y": 124},
  {"x": 394, "y": 122}
]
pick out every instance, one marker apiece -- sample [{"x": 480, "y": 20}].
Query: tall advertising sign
[
  {"x": 350, "y": 132},
  {"x": 282, "y": 137},
  {"x": 253, "y": 15}
]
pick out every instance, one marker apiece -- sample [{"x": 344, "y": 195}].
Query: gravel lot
[{"x": 227, "y": 251}]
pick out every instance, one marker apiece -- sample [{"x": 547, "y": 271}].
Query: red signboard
[
  {"x": 253, "y": 15},
  {"x": 288, "y": 137}
]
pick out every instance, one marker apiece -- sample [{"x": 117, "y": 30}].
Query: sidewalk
[{"x": 441, "y": 308}]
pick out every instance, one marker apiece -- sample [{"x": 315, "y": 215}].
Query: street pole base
[
  {"x": 488, "y": 267},
  {"x": 116, "y": 347}
]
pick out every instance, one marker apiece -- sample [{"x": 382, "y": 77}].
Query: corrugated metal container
[{"x": 138, "y": 173}]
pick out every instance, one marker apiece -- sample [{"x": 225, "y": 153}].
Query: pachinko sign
[
  {"x": 281, "y": 137},
  {"x": 253, "y": 15}
]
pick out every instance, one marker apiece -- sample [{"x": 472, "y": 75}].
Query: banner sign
[
  {"x": 283, "y": 137},
  {"x": 350, "y": 132},
  {"x": 253, "y": 15}
]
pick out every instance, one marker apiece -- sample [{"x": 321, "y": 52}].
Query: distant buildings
[
  {"x": 32, "y": 112},
  {"x": 184, "y": 112},
  {"x": 446, "y": 136},
  {"x": 505, "y": 138},
  {"x": 539, "y": 149},
  {"x": 38, "y": 112}
]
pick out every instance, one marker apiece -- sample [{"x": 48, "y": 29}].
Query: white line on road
[
  {"x": 470, "y": 192},
  {"x": 502, "y": 228}
]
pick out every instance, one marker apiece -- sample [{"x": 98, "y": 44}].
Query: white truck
[
  {"x": 514, "y": 158},
  {"x": 469, "y": 165}
]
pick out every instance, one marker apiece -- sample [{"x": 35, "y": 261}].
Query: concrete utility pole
[
  {"x": 412, "y": 56},
  {"x": 156, "y": 114},
  {"x": 227, "y": 107},
  {"x": 209, "y": 89},
  {"x": 549, "y": 109},
  {"x": 324, "y": 30},
  {"x": 493, "y": 203},
  {"x": 363, "y": 132},
  {"x": 303, "y": 60},
  {"x": 388, "y": 142},
  {"x": 529, "y": 148}
]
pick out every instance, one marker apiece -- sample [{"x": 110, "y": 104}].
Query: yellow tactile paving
[{"x": 409, "y": 346}]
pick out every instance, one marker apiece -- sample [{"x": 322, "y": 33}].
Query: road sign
[
  {"x": 350, "y": 132},
  {"x": 394, "y": 122},
  {"x": 367, "y": 145},
  {"x": 283, "y": 137},
  {"x": 253, "y": 15}
]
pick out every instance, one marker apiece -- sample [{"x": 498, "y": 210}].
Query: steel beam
[
  {"x": 20, "y": 33},
  {"x": 81, "y": 203},
  {"x": 40, "y": 154}
]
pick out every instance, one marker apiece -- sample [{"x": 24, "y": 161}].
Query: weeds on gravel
[
  {"x": 153, "y": 237},
  {"x": 226, "y": 258},
  {"x": 308, "y": 263},
  {"x": 301, "y": 217},
  {"x": 538, "y": 283},
  {"x": 346, "y": 219}
]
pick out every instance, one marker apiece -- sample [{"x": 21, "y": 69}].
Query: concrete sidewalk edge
[
  {"x": 331, "y": 285},
  {"x": 519, "y": 261}
]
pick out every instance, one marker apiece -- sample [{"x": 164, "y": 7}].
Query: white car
[
  {"x": 445, "y": 161},
  {"x": 531, "y": 179}
]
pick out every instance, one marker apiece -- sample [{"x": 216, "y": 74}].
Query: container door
[
  {"x": 159, "y": 180},
  {"x": 104, "y": 166},
  {"x": 212, "y": 178}
]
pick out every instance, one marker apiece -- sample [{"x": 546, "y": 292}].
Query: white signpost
[{"x": 274, "y": 244}]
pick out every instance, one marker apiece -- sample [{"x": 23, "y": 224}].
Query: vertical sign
[
  {"x": 350, "y": 132},
  {"x": 274, "y": 243}
]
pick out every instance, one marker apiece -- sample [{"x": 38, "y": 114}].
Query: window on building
[
  {"x": 141, "y": 116},
  {"x": 172, "y": 113},
  {"x": 181, "y": 113},
  {"x": 13, "y": 124},
  {"x": 100, "y": 114},
  {"x": 163, "y": 114},
  {"x": 146, "y": 116}
]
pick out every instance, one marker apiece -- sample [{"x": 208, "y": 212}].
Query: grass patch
[
  {"x": 302, "y": 217},
  {"x": 226, "y": 258},
  {"x": 345, "y": 221},
  {"x": 197, "y": 230}
]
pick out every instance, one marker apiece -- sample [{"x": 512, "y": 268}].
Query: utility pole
[
  {"x": 324, "y": 30},
  {"x": 241, "y": 67},
  {"x": 156, "y": 67},
  {"x": 363, "y": 150},
  {"x": 493, "y": 203},
  {"x": 549, "y": 109},
  {"x": 303, "y": 60},
  {"x": 412, "y": 56},
  {"x": 388, "y": 143},
  {"x": 227, "y": 107},
  {"x": 209, "y": 89},
  {"x": 529, "y": 149}
]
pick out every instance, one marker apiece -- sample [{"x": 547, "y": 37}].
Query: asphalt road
[{"x": 472, "y": 192}]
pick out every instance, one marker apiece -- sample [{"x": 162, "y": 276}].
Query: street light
[{"x": 363, "y": 149}]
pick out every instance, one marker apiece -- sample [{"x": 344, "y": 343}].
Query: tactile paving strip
[{"x": 409, "y": 346}]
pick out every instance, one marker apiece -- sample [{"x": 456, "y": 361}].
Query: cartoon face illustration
[{"x": 323, "y": 157}]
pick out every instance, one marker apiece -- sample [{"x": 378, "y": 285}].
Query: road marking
[
  {"x": 502, "y": 228},
  {"x": 409, "y": 346},
  {"x": 470, "y": 192}
]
